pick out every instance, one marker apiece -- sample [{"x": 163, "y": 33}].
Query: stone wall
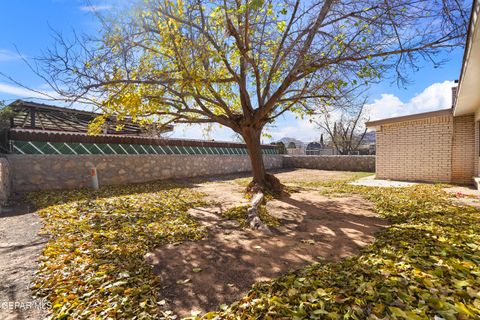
[
  {"x": 44, "y": 172},
  {"x": 23, "y": 173},
  {"x": 4, "y": 181},
  {"x": 340, "y": 163}
]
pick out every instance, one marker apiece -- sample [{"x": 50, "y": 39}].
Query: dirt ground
[
  {"x": 199, "y": 276},
  {"x": 20, "y": 245},
  {"x": 310, "y": 175}
]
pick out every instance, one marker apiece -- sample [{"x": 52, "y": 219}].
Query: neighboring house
[
  {"x": 438, "y": 146},
  {"x": 34, "y": 128},
  {"x": 42, "y": 117},
  {"x": 295, "y": 149},
  {"x": 294, "y": 146},
  {"x": 317, "y": 149},
  {"x": 314, "y": 148}
]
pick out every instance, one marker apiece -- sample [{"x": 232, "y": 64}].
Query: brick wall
[
  {"x": 340, "y": 163},
  {"x": 477, "y": 148},
  {"x": 463, "y": 149},
  {"x": 432, "y": 149},
  {"x": 416, "y": 150}
]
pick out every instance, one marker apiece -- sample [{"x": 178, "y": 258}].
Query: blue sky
[{"x": 27, "y": 24}]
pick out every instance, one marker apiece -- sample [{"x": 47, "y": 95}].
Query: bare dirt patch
[
  {"x": 309, "y": 175},
  {"x": 199, "y": 276},
  {"x": 20, "y": 246}
]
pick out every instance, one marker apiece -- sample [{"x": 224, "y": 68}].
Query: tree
[
  {"x": 242, "y": 64},
  {"x": 280, "y": 147},
  {"x": 6, "y": 115},
  {"x": 344, "y": 123}
]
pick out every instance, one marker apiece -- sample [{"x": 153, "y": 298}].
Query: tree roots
[{"x": 272, "y": 186}]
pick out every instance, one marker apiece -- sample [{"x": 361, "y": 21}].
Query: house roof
[
  {"x": 468, "y": 95},
  {"x": 376, "y": 123},
  {"x": 43, "y": 117}
]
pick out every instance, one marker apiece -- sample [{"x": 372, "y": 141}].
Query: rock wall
[
  {"x": 45, "y": 172},
  {"x": 23, "y": 173},
  {"x": 340, "y": 163},
  {"x": 4, "y": 181}
]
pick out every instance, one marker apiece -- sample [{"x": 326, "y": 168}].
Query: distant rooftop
[{"x": 42, "y": 117}]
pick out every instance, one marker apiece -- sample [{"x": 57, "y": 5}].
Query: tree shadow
[
  {"x": 17, "y": 207},
  {"x": 232, "y": 259}
]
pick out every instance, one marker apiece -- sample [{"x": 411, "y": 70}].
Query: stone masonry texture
[
  {"x": 5, "y": 181},
  {"x": 45, "y": 172},
  {"x": 340, "y": 163}
]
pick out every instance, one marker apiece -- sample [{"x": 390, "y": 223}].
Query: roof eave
[
  {"x": 462, "y": 102},
  {"x": 376, "y": 123}
]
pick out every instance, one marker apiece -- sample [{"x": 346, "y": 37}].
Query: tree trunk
[
  {"x": 259, "y": 183},
  {"x": 254, "y": 147}
]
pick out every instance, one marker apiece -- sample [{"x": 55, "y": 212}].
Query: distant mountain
[{"x": 369, "y": 138}]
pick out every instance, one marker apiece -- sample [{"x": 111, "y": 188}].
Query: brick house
[{"x": 438, "y": 146}]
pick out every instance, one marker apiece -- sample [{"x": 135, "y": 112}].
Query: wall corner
[{"x": 5, "y": 181}]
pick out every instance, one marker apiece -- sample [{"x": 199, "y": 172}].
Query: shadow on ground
[{"x": 314, "y": 228}]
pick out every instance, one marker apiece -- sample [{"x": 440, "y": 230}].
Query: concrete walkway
[
  {"x": 370, "y": 181},
  {"x": 20, "y": 246},
  {"x": 460, "y": 195}
]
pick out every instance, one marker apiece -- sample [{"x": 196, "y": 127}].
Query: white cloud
[
  {"x": 201, "y": 131},
  {"x": 301, "y": 129},
  {"x": 25, "y": 93},
  {"x": 296, "y": 128},
  {"x": 7, "y": 55},
  {"x": 95, "y": 8},
  {"x": 435, "y": 97}
]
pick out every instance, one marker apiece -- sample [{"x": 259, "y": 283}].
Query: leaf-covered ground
[
  {"x": 94, "y": 266},
  {"x": 426, "y": 265},
  {"x": 239, "y": 214}
]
